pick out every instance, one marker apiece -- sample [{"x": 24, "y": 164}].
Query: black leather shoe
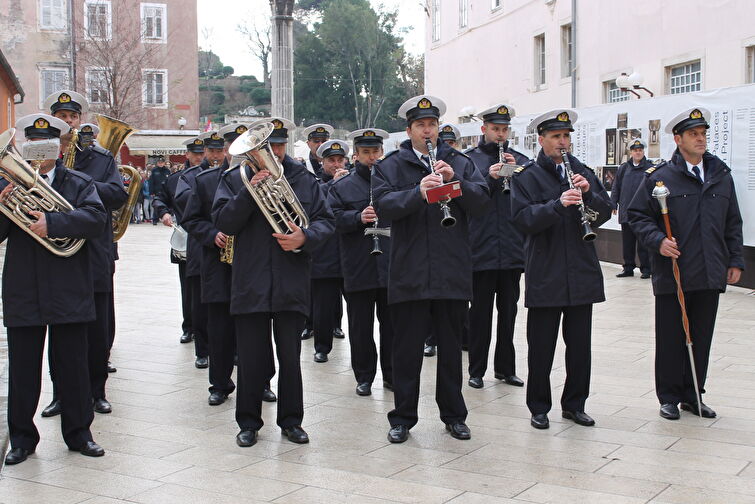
[
  {"x": 246, "y": 438},
  {"x": 90, "y": 449},
  {"x": 338, "y": 333},
  {"x": 579, "y": 417},
  {"x": 295, "y": 434},
  {"x": 269, "y": 396},
  {"x": 321, "y": 357},
  {"x": 364, "y": 389},
  {"x": 17, "y": 455},
  {"x": 217, "y": 398},
  {"x": 111, "y": 368},
  {"x": 706, "y": 410},
  {"x": 510, "y": 379},
  {"x": 459, "y": 430},
  {"x": 102, "y": 406},
  {"x": 387, "y": 385},
  {"x": 398, "y": 434},
  {"x": 202, "y": 362},
  {"x": 52, "y": 409},
  {"x": 625, "y": 273},
  {"x": 475, "y": 382},
  {"x": 540, "y": 421},
  {"x": 430, "y": 350},
  {"x": 645, "y": 276},
  {"x": 669, "y": 411},
  {"x": 307, "y": 333},
  {"x": 186, "y": 337}
]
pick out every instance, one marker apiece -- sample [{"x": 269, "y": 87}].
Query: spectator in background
[
  {"x": 157, "y": 178},
  {"x": 146, "y": 199}
]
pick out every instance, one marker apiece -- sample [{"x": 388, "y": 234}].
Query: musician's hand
[
  {"x": 340, "y": 173},
  {"x": 732, "y": 275},
  {"x": 6, "y": 190},
  {"x": 39, "y": 228},
  {"x": 444, "y": 169},
  {"x": 509, "y": 158},
  {"x": 221, "y": 239},
  {"x": 167, "y": 220},
  {"x": 570, "y": 197},
  {"x": 613, "y": 212},
  {"x": 669, "y": 248},
  {"x": 368, "y": 215},
  {"x": 260, "y": 176},
  {"x": 581, "y": 182},
  {"x": 493, "y": 171},
  {"x": 293, "y": 241},
  {"x": 428, "y": 182}
]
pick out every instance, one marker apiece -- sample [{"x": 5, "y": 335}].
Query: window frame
[
  {"x": 463, "y": 14},
  {"x": 567, "y": 65},
  {"x": 435, "y": 21},
  {"x": 145, "y": 84},
  {"x": 750, "y": 64},
  {"x": 670, "y": 77},
  {"x": 610, "y": 87},
  {"x": 540, "y": 74},
  {"x": 63, "y": 5},
  {"x": 51, "y": 68},
  {"x": 163, "y": 38},
  {"x": 87, "y": 81},
  {"x": 496, "y": 5},
  {"x": 108, "y": 28}
]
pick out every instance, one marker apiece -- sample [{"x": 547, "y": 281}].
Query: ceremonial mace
[{"x": 661, "y": 192}]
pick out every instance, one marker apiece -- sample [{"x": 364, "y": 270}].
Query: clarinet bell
[
  {"x": 448, "y": 220},
  {"x": 588, "y": 234},
  {"x": 376, "y": 250}
]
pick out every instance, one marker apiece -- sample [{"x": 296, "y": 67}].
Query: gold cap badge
[
  {"x": 424, "y": 103},
  {"x": 41, "y": 124},
  {"x": 503, "y": 110},
  {"x": 278, "y": 124},
  {"x": 64, "y": 98},
  {"x": 563, "y": 117}
]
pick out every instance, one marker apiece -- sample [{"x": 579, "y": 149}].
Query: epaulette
[
  {"x": 464, "y": 154},
  {"x": 650, "y": 170},
  {"x": 83, "y": 176},
  {"x": 589, "y": 168},
  {"x": 389, "y": 154},
  {"x": 524, "y": 166},
  {"x": 101, "y": 150},
  {"x": 469, "y": 150},
  {"x": 231, "y": 170},
  {"x": 210, "y": 170}
]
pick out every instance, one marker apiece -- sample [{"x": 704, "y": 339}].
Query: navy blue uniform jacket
[
  {"x": 705, "y": 220},
  {"x": 348, "y": 196},
  {"x": 265, "y": 278},
  {"x": 326, "y": 262},
  {"x": 496, "y": 243},
  {"x": 428, "y": 261},
  {"x": 40, "y": 288},
  {"x": 560, "y": 268},
  {"x": 628, "y": 179}
]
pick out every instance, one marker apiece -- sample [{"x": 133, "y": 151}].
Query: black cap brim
[
  {"x": 689, "y": 124},
  {"x": 71, "y": 106},
  {"x": 418, "y": 113}
]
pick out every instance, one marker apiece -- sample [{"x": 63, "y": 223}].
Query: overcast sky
[{"x": 218, "y": 20}]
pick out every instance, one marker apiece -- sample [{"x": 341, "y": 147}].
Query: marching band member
[
  {"x": 707, "y": 243},
  {"x": 364, "y": 262},
  {"x": 317, "y": 134},
  {"x": 327, "y": 279},
  {"x": 497, "y": 254},
  {"x": 42, "y": 293},
  {"x": 270, "y": 283},
  {"x": 99, "y": 164},
  {"x": 450, "y": 134},
  {"x": 562, "y": 272},
  {"x": 430, "y": 273}
]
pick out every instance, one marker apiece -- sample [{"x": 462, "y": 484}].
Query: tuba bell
[
  {"x": 31, "y": 193},
  {"x": 274, "y": 195},
  {"x": 112, "y": 135}
]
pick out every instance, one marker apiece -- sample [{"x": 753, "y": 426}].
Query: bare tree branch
[{"x": 259, "y": 41}]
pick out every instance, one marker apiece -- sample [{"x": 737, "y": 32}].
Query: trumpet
[
  {"x": 69, "y": 158},
  {"x": 375, "y": 231},
  {"x": 586, "y": 214},
  {"x": 448, "y": 220},
  {"x": 507, "y": 169}
]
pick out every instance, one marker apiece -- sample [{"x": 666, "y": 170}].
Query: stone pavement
[{"x": 165, "y": 444}]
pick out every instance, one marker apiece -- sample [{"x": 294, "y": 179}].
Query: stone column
[{"x": 282, "y": 72}]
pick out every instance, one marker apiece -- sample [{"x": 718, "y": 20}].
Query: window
[
  {"x": 750, "y": 66},
  {"x": 97, "y": 21},
  {"x": 155, "y": 88},
  {"x": 612, "y": 93},
  {"x": 51, "y": 80},
  {"x": 495, "y": 4},
  {"x": 567, "y": 65},
  {"x": 685, "y": 78},
  {"x": 436, "y": 20},
  {"x": 463, "y": 13},
  {"x": 540, "y": 60},
  {"x": 154, "y": 22},
  {"x": 52, "y": 15},
  {"x": 98, "y": 90}
]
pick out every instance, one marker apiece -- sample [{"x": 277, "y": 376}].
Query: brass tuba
[
  {"x": 31, "y": 193},
  {"x": 274, "y": 195},
  {"x": 112, "y": 135}
]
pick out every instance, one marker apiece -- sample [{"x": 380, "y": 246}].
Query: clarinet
[
  {"x": 375, "y": 231},
  {"x": 584, "y": 213},
  {"x": 448, "y": 220},
  {"x": 502, "y": 160}
]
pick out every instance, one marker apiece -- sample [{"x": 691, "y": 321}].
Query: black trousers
[
  {"x": 98, "y": 349},
  {"x": 221, "y": 333},
  {"x": 254, "y": 370},
  {"x": 111, "y": 321},
  {"x": 361, "y": 307},
  {"x": 542, "y": 334},
  {"x": 412, "y": 322},
  {"x": 185, "y": 297},
  {"x": 198, "y": 317},
  {"x": 630, "y": 243},
  {"x": 68, "y": 346},
  {"x": 503, "y": 285},
  {"x": 673, "y": 374},
  {"x": 326, "y": 311}
]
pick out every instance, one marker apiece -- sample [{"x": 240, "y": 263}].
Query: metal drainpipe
[
  {"x": 72, "y": 44},
  {"x": 573, "y": 53}
]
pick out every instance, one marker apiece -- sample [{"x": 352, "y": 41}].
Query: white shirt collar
[
  {"x": 50, "y": 175},
  {"x": 420, "y": 155},
  {"x": 699, "y": 166}
]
